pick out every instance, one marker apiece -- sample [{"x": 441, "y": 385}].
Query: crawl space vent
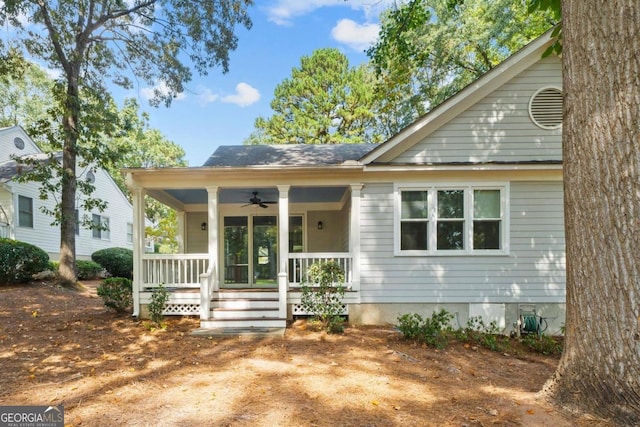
[{"x": 545, "y": 108}]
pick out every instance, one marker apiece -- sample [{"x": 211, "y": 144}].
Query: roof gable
[
  {"x": 14, "y": 141},
  {"x": 460, "y": 102}
]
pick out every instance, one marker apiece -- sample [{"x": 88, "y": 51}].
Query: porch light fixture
[
  {"x": 320, "y": 225},
  {"x": 203, "y": 226}
]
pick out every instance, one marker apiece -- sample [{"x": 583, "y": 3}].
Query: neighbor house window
[
  {"x": 25, "y": 211},
  {"x": 451, "y": 220},
  {"x": 100, "y": 228},
  {"x": 129, "y": 232}
]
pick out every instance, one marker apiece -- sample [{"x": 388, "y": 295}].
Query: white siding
[
  {"x": 331, "y": 237},
  {"x": 47, "y": 237},
  {"x": 119, "y": 211},
  {"x": 6, "y": 212},
  {"x": 7, "y": 146},
  {"x": 196, "y": 240},
  {"x": 532, "y": 272},
  {"x": 497, "y": 128}
]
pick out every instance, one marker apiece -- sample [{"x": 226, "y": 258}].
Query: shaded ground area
[{"x": 62, "y": 347}]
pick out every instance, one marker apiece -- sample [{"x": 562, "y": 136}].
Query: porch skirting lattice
[
  {"x": 297, "y": 310},
  {"x": 182, "y": 309}
]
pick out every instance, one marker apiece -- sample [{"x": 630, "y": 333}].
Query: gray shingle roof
[
  {"x": 11, "y": 168},
  {"x": 287, "y": 155}
]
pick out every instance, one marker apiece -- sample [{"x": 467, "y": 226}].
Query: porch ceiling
[{"x": 242, "y": 195}]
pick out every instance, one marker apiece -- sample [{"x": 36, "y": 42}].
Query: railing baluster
[
  {"x": 300, "y": 263},
  {"x": 177, "y": 270}
]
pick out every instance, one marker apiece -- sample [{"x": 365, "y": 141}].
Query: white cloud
[
  {"x": 356, "y": 36},
  {"x": 206, "y": 96},
  {"x": 245, "y": 95},
  {"x": 149, "y": 92},
  {"x": 282, "y": 12}
]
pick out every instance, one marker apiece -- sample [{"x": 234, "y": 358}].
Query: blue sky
[{"x": 220, "y": 109}]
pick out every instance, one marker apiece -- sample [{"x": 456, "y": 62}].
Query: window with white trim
[
  {"x": 25, "y": 211},
  {"x": 461, "y": 219},
  {"x": 100, "y": 229},
  {"x": 129, "y": 232}
]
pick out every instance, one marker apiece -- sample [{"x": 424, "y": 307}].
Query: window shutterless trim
[{"x": 468, "y": 218}]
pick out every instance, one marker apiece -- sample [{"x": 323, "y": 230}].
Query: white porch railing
[
  {"x": 299, "y": 264},
  {"x": 173, "y": 270},
  {"x": 4, "y": 230}
]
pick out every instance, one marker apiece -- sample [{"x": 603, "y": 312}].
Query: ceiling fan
[{"x": 255, "y": 200}]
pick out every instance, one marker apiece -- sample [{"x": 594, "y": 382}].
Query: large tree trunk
[
  {"x": 67, "y": 268},
  {"x": 599, "y": 371}
]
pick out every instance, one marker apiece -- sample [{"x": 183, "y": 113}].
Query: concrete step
[
  {"x": 243, "y": 323},
  {"x": 244, "y": 332}
]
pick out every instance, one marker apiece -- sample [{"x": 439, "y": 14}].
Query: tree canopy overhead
[
  {"x": 92, "y": 43},
  {"x": 430, "y": 49},
  {"x": 325, "y": 101}
]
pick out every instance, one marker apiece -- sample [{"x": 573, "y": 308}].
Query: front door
[{"x": 250, "y": 251}]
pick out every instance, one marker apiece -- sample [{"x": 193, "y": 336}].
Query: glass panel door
[
  {"x": 265, "y": 251},
  {"x": 236, "y": 250}
]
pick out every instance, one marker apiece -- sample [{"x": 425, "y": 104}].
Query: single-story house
[
  {"x": 21, "y": 215},
  {"x": 462, "y": 210}
]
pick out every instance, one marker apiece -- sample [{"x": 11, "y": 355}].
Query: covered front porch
[{"x": 239, "y": 264}]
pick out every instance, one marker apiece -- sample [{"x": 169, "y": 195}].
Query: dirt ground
[{"x": 63, "y": 347}]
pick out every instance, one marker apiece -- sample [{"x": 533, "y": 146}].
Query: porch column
[
  {"x": 212, "y": 229},
  {"x": 283, "y": 248},
  {"x": 209, "y": 281},
  {"x": 137, "y": 196},
  {"x": 354, "y": 236},
  {"x": 180, "y": 231}
]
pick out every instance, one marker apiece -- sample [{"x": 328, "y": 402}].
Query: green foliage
[
  {"x": 140, "y": 147},
  {"x": 26, "y": 97},
  {"x": 116, "y": 293},
  {"x": 323, "y": 102},
  {"x": 88, "y": 270},
  {"x": 117, "y": 261},
  {"x": 106, "y": 46},
  {"x": 19, "y": 261},
  {"x": 159, "y": 298},
  {"x": 322, "y": 294},
  {"x": 544, "y": 344},
  {"x": 478, "y": 333},
  {"x": 428, "y": 50},
  {"x": 434, "y": 331}
]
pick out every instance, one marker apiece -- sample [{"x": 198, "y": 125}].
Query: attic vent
[
  {"x": 545, "y": 108},
  {"x": 19, "y": 143},
  {"x": 91, "y": 178}
]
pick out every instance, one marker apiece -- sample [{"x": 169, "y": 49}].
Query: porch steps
[{"x": 244, "y": 309}]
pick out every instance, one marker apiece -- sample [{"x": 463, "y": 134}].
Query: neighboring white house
[
  {"x": 461, "y": 210},
  {"x": 21, "y": 217}
]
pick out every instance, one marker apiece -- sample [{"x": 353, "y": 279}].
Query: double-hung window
[
  {"x": 25, "y": 211},
  {"x": 100, "y": 227},
  {"x": 450, "y": 220}
]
